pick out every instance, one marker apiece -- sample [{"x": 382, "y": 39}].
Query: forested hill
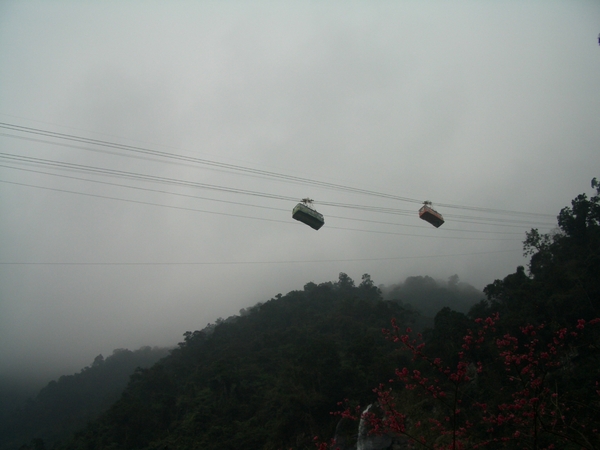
[
  {"x": 519, "y": 370},
  {"x": 67, "y": 404},
  {"x": 266, "y": 379}
]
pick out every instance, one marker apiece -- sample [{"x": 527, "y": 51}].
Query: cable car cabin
[
  {"x": 430, "y": 215},
  {"x": 308, "y": 216}
]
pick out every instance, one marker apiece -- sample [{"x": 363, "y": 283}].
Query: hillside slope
[
  {"x": 67, "y": 404},
  {"x": 268, "y": 379}
]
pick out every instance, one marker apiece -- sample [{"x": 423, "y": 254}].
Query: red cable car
[{"x": 428, "y": 214}]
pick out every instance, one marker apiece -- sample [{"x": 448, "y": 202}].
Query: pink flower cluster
[{"x": 532, "y": 406}]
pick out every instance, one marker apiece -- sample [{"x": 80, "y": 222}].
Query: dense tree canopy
[
  {"x": 266, "y": 379},
  {"x": 563, "y": 284},
  {"x": 522, "y": 370}
]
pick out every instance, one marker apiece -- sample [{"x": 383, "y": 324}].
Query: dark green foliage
[
  {"x": 267, "y": 379},
  {"x": 65, "y": 405},
  {"x": 526, "y": 372},
  {"x": 558, "y": 297},
  {"x": 564, "y": 281}
]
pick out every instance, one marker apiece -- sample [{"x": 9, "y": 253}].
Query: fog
[{"x": 487, "y": 109}]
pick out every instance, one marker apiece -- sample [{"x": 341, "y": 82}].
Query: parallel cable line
[
  {"x": 247, "y": 204},
  {"x": 107, "y": 197},
  {"x": 201, "y": 161},
  {"x": 138, "y": 176},
  {"x": 120, "y": 154},
  {"x": 238, "y": 168},
  {"x": 153, "y": 178}
]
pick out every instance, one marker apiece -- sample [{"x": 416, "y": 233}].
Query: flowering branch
[{"x": 525, "y": 411}]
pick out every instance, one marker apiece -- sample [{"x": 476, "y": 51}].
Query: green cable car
[{"x": 304, "y": 213}]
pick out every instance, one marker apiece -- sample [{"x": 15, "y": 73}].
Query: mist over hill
[
  {"x": 49, "y": 415},
  {"x": 427, "y": 296},
  {"x": 272, "y": 376},
  {"x": 68, "y": 403}
]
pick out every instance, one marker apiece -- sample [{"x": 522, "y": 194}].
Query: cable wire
[
  {"x": 106, "y": 183},
  {"x": 244, "y": 216},
  {"x": 237, "y": 168},
  {"x": 153, "y": 178},
  {"x": 214, "y": 263}
]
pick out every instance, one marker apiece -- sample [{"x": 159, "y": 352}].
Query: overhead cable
[
  {"x": 237, "y": 168},
  {"x": 153, "y": 178},
  {"x": 178, "y": 194},
  {"x": 244, "y": 216}
]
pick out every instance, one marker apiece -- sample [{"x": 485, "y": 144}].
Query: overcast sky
[{"x": 474, "y": 105}]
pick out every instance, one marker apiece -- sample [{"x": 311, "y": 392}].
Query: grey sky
[{"x": 468, "y": 103}]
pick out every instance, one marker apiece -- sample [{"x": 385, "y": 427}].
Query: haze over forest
[
  {"x": 517, "y": 369},
  {"x": 488, "y": 109}
]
